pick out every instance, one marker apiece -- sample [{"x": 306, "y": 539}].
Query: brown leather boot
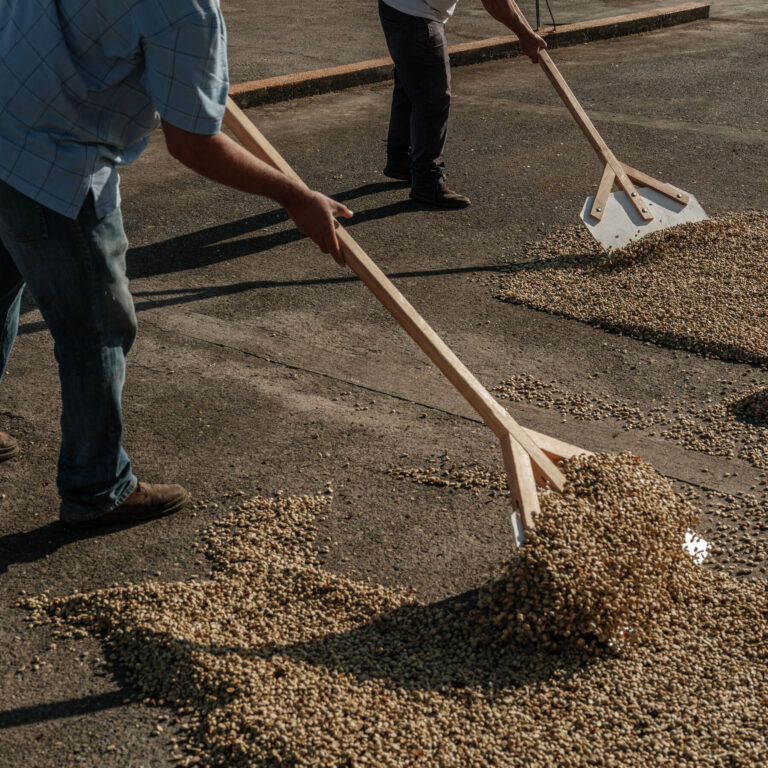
[
  {"x": 148, "y": 501},
  {"x": 439, "y": 194},
  {"x": 8, "y": 446}
]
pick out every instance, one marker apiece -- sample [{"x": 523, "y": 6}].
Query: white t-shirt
[{"x": 439, "y": 10}]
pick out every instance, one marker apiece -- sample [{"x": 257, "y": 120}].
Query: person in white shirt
[{"x": 415, "y": 33}]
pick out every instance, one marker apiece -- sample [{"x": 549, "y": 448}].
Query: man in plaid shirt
[{"x": 82, "y": 85}]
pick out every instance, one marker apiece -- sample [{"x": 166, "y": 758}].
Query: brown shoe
[
  {"x": 440, "y": 195},
  {"x": 148, "y": 501},
  {"x": 8, "y": 447}
]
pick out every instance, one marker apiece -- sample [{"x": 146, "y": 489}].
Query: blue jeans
[
  {"x": 421, "y": 98},
  {"x": 75, "y": 271}
]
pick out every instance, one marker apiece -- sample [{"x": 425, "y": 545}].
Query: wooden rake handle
[
  {"x": 614, "y": 170},
  {"x": 492, "y": 413}
]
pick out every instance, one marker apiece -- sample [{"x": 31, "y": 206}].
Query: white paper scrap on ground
[
  {"x": 621, "y": 223},
  {"x": 696, "y": 547}
]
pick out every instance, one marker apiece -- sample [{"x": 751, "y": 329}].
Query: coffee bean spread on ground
[
  {"x": 598, "y": 644},
  {"x": 698, "y": 286}
]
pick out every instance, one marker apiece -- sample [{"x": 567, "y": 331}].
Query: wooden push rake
[
  {"x": 615, "y": 219},
  {"x": 529, "y": 457}
]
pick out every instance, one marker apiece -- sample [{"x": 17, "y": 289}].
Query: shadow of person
[
  {"x": 39, "y": 543},
  {"x": 229, "y": 241},
  {"x": 234, "y": 239},
  {"x": 213, "y": 246}
]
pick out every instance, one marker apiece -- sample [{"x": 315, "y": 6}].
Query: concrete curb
[{"x": 294, "y": 86}]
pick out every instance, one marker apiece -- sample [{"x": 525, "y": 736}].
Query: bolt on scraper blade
[{"x": 621, "y": 223}]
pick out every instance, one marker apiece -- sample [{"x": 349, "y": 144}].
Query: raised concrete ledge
[{"x": 294, "y": 86}]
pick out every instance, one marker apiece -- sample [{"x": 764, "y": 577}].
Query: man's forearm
[
  {"x": 221, "y": 159},
  {"x": 510, "y": 16}
]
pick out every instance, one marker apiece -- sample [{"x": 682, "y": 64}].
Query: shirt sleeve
[{"x": 186, "y": 72}]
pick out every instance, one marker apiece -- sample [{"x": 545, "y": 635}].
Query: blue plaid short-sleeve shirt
[{"x": 84, "y": 82}]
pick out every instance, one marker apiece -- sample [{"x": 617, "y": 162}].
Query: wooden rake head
[
  {"x": 523, "y": 475},
  {"x": 632, "y": 213}
]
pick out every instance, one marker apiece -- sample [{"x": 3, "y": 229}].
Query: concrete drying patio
[{"x": 262, "y": 366}]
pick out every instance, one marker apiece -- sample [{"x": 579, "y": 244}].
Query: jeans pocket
[{"x": 21, "y": 218}]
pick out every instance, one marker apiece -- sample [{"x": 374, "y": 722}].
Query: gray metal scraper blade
[{"x": 621, "y": 223}]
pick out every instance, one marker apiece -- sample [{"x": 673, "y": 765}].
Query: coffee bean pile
[
  {"x": 751, "y": 406},
  {"x": 698, "y": 286},
  {"x": 732, "y": 523},
  {"x": 605, "y": 561},
  {"x": 275, "y": 661}
]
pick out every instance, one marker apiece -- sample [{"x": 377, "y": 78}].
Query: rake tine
[
  {"x": 556, "y": 450},
  {"x": 522, "y": 488},
  {"x": 606, "y": 185}
]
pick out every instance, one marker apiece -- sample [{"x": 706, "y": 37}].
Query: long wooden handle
[
  {"x": 582, "y": 119},
  {"x": 595, "y": 139},
  {"x": 492, "y": 413},
  {"x": 579, "y": 115},
  {"x": 566, "y": 94}
]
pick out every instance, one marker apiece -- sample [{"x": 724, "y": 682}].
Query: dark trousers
[{"x": 421, "y": 99}]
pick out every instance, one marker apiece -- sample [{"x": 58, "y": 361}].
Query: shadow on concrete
[
  {"x": 56, "y": 710},
  {"x": 172, "y": 297},
  {"x": 30, "y": 546},
  {"x": 220, "y": 243},
  {"x": 168, "y": 298},
  {"x": 751, "y": 407},
  {"x": 187, "y": 295},
  {"x": 231, "y": 241}
]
